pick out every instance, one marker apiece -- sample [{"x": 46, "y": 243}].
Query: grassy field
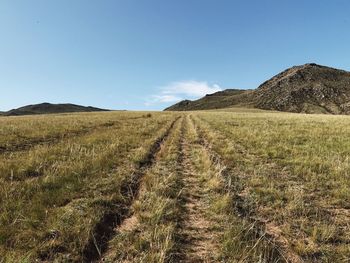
[{"x": 217, "y": 186}]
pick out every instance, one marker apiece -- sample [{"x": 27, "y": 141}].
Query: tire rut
[
  {"x": 106, "y": 228},
  {"x": 266, "y": 230},
  {"x": 196, "y": 238}
]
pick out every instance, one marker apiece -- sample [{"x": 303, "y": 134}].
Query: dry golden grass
[
  {"x": 291, "y": 173},
  {"x": 53, "y": 195},
  {"x": 273, "y": 186},
  {"x": 148, "y": 234}
]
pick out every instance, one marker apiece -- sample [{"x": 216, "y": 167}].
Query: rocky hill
[
  {"x": 308, "y": 88},
  {"x": 47, "y": 108}
]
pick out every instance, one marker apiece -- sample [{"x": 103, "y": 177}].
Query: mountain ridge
[{"x": 308, "y": 88}]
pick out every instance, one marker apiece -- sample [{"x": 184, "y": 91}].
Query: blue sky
[{"x": 146, "y": 54}]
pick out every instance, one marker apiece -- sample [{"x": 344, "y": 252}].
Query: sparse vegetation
[{"x": 221, "y": 186}]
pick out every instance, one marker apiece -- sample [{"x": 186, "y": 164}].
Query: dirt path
[
  {"x": 110, "y": 223},
  {"x": 279, "y": 248},
  {"x": 197, "y": 237}
]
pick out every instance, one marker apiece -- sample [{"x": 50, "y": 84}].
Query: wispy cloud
[
  {"x": 180, "y": 90},
  {"x": 162, "y": 98}
]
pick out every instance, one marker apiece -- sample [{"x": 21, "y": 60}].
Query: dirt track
[
  {"x": 197, "y": 237},
  {"x": 199, "y": 242},
  {"x": 110, "y": 223}
]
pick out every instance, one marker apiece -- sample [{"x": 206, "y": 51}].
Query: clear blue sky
[{"x": 146, "y": 54}]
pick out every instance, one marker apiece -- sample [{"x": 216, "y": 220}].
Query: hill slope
[
  {"x": 306, "y": 88},
  {"x": 47, "y": 108},
  {"x": 217, "y": 100},
  {"x": 309, "y": 88}
]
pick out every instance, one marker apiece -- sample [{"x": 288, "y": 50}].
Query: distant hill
[
  {"x": 308, "y": 88},
  {"x": 217, "y": 100},
  {"x": 47, "y": 108}
]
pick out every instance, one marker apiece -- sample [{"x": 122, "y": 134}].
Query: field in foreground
[{"x": 235, "y": 186}]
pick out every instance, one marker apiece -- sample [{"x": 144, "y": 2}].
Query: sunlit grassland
[
  {"x": 281, "y": 184},
  {"x": 149, "y": 234},
  {"x": 293, "y": 172},
  {"x": 53, "y": 195},
  {"x": 20, "y": 130}
]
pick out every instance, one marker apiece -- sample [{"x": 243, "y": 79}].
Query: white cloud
[
  {"x": 180, "y": 90},
  {"x": 163, "y": 98},
  {"x": 166, "y": 98},
  {"x": 190, "y": 88}
]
